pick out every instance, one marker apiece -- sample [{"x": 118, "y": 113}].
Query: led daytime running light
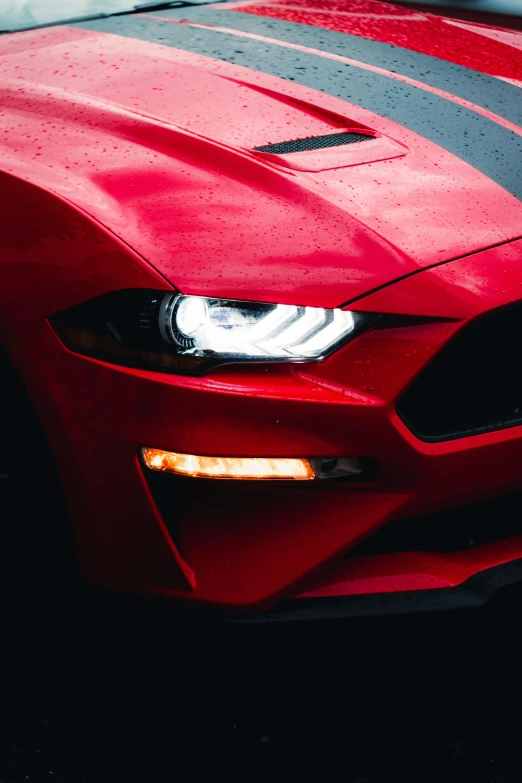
[{"x": 210, "y": 327}]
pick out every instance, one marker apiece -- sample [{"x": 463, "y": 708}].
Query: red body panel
[
  {"x": 132, "y": 164},
  {"x": 175, "y": 186},
  {"x": 490, "y": 13},
  {"x": 229, "y": 534},
  {"x": 448, "y": 39}
]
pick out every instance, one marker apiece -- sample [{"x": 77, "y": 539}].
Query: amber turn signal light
[{"x": 252, "y": 468}]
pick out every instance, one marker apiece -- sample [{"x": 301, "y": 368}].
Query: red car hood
[{"x": 150, "y": 124}]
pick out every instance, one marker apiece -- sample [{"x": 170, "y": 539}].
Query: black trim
[
  {"x": 473, "y": 385},
  {"x": 480, "y": 142},
  {"x": 454, "y": 529},
  {"x": 471, "y": 594},
  {"x": 313, "y": 143}
]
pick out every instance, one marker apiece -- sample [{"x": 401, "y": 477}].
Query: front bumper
[
  {"x": 474, "y": 593},
  {"x": 247, "y": 546}
]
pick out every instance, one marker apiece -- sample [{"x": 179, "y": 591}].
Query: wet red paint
[
  {"x": 365, "y": 66},
  {"x": 405, "y": 571},
  {"x": 119, "y": 167},
  {"x": 109, "y": 183},
  {"x": 228, "y": 535},
  {"x": 420, "y": 31}
]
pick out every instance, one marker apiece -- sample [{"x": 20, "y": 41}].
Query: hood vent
[{"x": 313, "y": 143}]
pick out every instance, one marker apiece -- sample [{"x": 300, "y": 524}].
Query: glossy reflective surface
[
  {"x": 129, "y": 160},
  {"x": 19, "y": 14}
]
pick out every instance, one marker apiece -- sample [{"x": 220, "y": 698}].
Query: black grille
[
  {"x": 313, "y": 143},
  {"x": 452, "y": 530},
  {"x": 473, "y": 385}
]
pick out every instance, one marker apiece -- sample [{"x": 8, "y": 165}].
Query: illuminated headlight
[
  {"x": 246, "y": 330},
  {"x": 189, "y": 335}
]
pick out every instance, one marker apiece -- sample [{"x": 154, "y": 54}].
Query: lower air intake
[
  {"x": 451, "y": 530},
  {"x": 313, "y": 143}
]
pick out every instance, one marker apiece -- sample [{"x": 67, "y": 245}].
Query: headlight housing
[{"x": 182, "y": 334}]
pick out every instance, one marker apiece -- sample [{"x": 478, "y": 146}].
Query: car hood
[{"x": 152, "y": 125}]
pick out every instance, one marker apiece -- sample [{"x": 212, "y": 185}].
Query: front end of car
[
  {"x": 276, "y": 460},
  {"x": 266, "y": 299}
]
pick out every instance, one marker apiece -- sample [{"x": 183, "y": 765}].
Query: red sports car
[{"x": 261, "y": 302}]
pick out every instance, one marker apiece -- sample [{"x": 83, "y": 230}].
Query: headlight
[
  {"x": 190, "y": 334},
  {"x": 247, "y": 330}
]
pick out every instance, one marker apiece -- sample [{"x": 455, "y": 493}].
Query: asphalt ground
[{"x": 116, "y": 693}]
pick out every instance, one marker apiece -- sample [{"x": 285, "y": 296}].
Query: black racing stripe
[
  {"x": 485, "y": 145},
  {"x": 487, "y": 91}
]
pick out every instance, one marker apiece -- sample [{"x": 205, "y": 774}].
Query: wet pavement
[{"x": 114, "y": 694}]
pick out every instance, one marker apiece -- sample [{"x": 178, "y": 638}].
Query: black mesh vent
[
  {"x": 313, "y": 143},
  {"x": 474, "y": 384},
  {"x": 453, "y": 530}
]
